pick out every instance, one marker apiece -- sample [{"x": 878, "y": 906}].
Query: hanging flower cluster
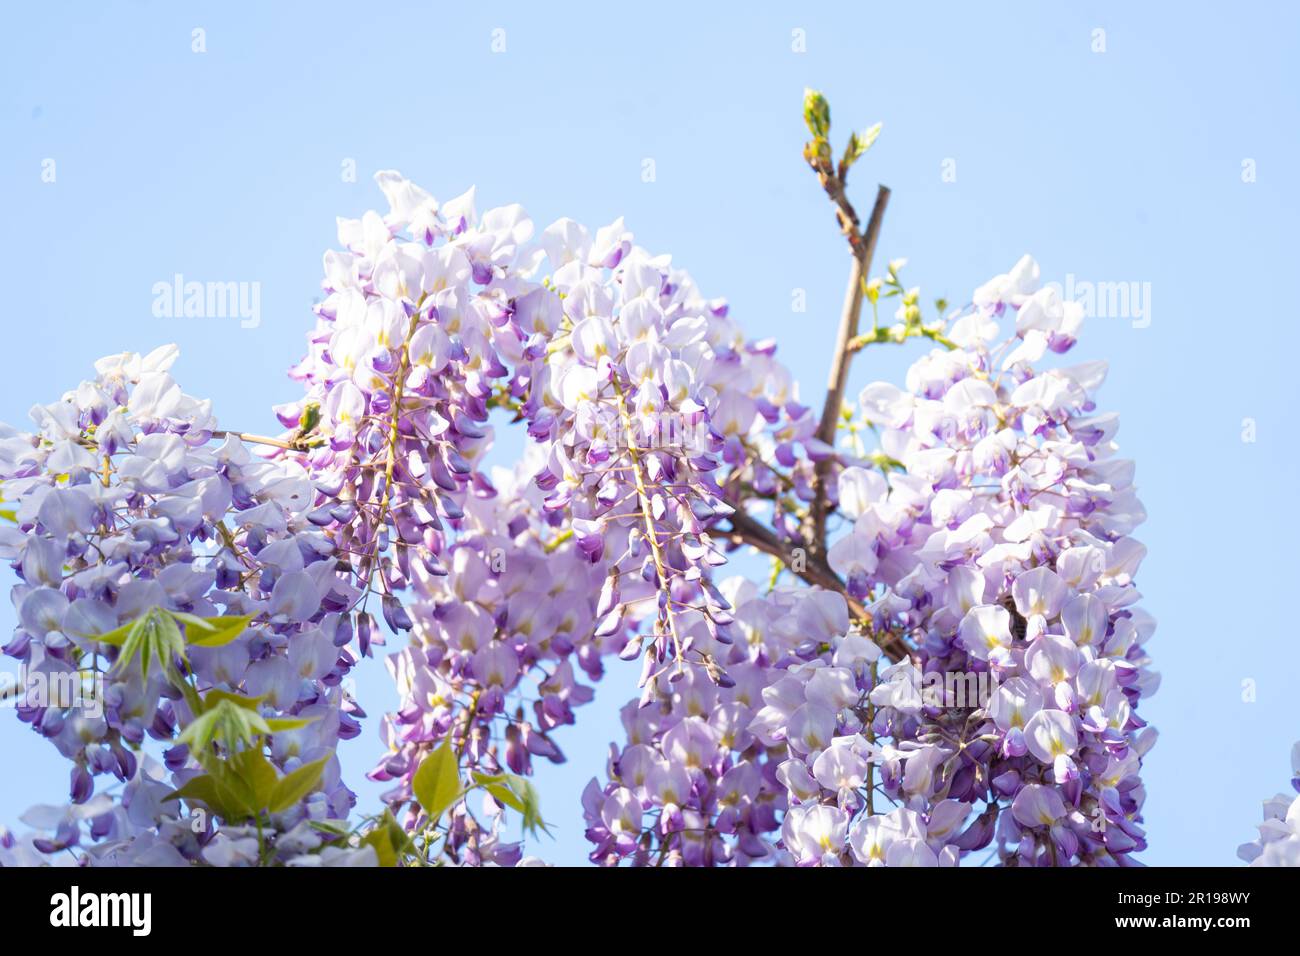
[
  {"x": 222, "y": 595},
  {"x": 170, "y": 589},
  {"x": 695, "y": 784},
  {"x": 647, "y": 399},
  {"x": 500, "y": 648},
  {"x": 996, "y": 545}
]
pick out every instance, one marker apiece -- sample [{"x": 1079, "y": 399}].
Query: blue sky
[{"x": 1127, "y": 165}]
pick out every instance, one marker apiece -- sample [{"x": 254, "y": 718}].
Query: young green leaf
[
  {"x": 381, "y": 841},
  {"x": 816, "y": 113},
  {"x": 116, "y": 637},
  {"x": 517, "y": 793},
  {"x": 390, "y": 841},
  {"x": 190, "y": 620},
  {"x": 437, "y": 781},
  {"x": 214, "y": 696},
  {"x": 866, "y": 139},
  {"x": 279, "y": 724},
  {"x": 294, "y": 786},
  {"x": 497, "y": 785},
  {"x": 216, "y": 631},
  {"x": 532, "y": 804},
  {"x": 402, "y": 841},
  {"x": 336, "y": 828},
  {"x": 219, "y": 799},
  {"x": 309, "y": 418},
  {"x": 262, "y": 779},
  {"x": 154, "y": 636},
  {"x": 225, "y": 721}
]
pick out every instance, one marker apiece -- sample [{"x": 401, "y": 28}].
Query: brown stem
[
  {"x": 470, "y": 713},
  {"x": 261, "y": 440},
  {"x": 745, "y": 530},
  {"x": 864, "y": 249}
]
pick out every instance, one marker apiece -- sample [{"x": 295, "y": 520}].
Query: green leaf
[
  {"x": 192, "y": 699},
  {"x": 497, "y": 785},
  {"x": 200, "y": 732},
  {"x": 390, "y": 841},
  {"x": 437, "y": 781},
  {"x": 402, "y": 841},
  {"x": 226, "y": 721},
  {"x": 230, "y": 719},
  {"x": 153, "y": 636},
  {"x": 214, "y": 696},
  {"x": 163, "y": 643},
  {"x": 336, "y": 828},
  {"x": 517, "y": 793},
  {"x": 215, "y": 631},
  {"x": 117, "y": 637},
  {"x": 382, "y": 841},
  {"x": 309, "y": 418},
  {"x": 859, "y": 143},
  {"x": 190, "y": 620},
  {"x": 252, "y": 768},
  {"x": 278, "y": 724},
  {"x": 219, "y": 799},
  {"x": 202, "y": 788},
  {"x": 294, "y": 786},
  {"x": 240, "y": 790},
  {"x": 816, "y": 113},
  {"x": 499, "y": 791},
  {"x": 532, "y": 805}
]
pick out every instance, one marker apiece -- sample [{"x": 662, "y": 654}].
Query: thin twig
[
  {"x": 652, "y": 535},
  {"x": 864, "y": 248},
  {"x": 261, "y": 440},
  {"x": 745, "y": 530},
  {"x": 394, "y": 429}
]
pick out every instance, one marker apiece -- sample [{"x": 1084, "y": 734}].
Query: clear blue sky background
[{"x": 1117, "y": 166}]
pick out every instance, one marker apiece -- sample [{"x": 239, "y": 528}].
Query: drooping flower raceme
[
  {"x": 222, "y": 586},
  {"x": 502, "y": 646},
  {"x": 695, "y": 784},
  {"x": 997, "y": 547},
  {"x": 637, "y": 393},
  {"x": 167, "y": 579}
]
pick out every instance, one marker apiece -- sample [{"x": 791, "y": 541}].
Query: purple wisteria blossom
[{"x": 969, "y": 531}]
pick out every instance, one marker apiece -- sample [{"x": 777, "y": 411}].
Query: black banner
[{"x": 297, "y": 904}]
